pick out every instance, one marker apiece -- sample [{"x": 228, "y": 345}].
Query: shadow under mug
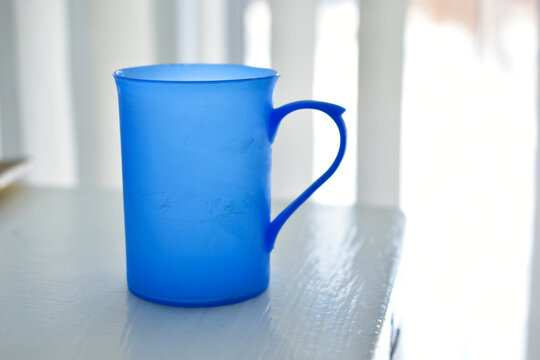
[{"x": 196, "y": 160}]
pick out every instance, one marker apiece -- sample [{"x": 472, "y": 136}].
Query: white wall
[
  {"x": 105, "y": 36},
  {"x": 66, "y": 51},
  {"x": 44, "y": 90},
  {"x": 379, "y": 101},
  {"x": 293, "y": 47},
  {"x": 533, "y": 344},
  {"x": 10, "y": 132}
]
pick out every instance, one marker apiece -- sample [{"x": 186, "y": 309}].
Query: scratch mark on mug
[
  {"x": 209, "y": 218},
  {"x": 248, "y": 144}
]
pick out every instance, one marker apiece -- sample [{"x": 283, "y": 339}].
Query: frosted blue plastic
[{"x": 196, "y": 159}]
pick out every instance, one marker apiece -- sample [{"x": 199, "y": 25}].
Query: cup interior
[{"x": 194, "y": 73}]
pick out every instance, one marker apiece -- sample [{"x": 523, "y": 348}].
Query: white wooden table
[{"x": 63, "y": 292}]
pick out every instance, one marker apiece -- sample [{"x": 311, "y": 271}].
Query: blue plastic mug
[{"x": 196, "y": 159}]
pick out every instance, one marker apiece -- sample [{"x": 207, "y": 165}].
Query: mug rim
[{"x": 124, "y": 73}]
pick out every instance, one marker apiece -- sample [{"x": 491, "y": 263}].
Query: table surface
[{"x": 63, "y": 292}]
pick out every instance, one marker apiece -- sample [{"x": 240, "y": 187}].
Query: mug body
[{"x": 196, "y": 159}]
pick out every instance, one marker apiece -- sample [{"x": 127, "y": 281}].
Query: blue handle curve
[{"x": 334, "y": 111}]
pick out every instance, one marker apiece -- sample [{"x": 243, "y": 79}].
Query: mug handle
[{"x": 334, "y": 111}]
